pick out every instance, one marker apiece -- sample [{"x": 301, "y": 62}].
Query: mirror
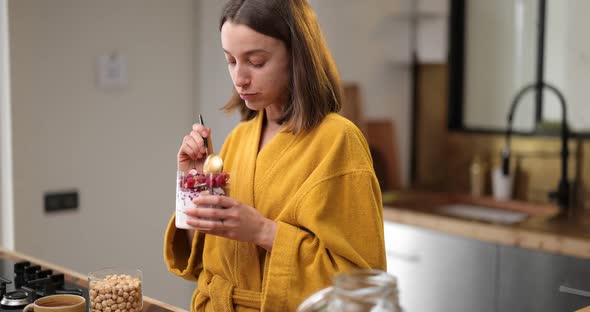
[{"x": 498, "y": 47}]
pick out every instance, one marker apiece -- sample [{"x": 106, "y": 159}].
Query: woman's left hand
[{"x": 234, "y": 220}]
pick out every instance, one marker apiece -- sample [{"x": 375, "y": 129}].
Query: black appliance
[{"x": 23, "y": 282}]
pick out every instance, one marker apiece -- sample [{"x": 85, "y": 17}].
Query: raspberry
[
  {"x": 190, "y": 182},
  {"x": 220, "y": 180},
  {"x": 210, "y": 182}
]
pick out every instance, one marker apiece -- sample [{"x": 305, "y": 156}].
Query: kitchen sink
[{"x": 483, "y": 213}]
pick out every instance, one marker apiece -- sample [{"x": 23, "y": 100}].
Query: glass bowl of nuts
[{"x": 115, "y": 290}]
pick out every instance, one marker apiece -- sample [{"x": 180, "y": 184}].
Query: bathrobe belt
[{"x": 224, "y": 295}]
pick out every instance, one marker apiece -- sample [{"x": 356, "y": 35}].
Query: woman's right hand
[{"x": 192, "y": 151}]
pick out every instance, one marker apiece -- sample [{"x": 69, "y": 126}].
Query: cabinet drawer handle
[
  {"x": 574, "y": 291},
  {"x": 402, "y": 256}
]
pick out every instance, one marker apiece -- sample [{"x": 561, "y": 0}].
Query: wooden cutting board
[{"x": 383, "y": 144}]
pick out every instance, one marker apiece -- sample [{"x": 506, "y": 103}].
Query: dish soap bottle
[{"x": 477, "y": 176}]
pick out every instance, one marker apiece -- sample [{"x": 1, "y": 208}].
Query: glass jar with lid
[
  {"x": 358, "y": 291},
  {"x": 115, "y": 289}
]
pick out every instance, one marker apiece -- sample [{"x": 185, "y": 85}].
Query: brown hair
[{"x": 314, "y": 87}]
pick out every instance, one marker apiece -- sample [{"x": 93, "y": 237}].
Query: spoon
[{"x": 213, "y": 162}]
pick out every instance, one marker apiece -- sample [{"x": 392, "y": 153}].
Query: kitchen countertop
[
  {"x": 149, "y": 304},
  {"x": 570, "y": 237}
]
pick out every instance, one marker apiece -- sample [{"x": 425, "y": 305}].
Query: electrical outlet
[{"x": 59, "y": 201}]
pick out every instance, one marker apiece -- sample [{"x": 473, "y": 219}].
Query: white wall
[
  {"x": 6, "y": 204},
  {"x": 215, "y": 85},
  {"x": 432, "y": 30},
  {"x": 117, "y": 148}
]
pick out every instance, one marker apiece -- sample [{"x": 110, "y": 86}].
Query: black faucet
[{"x": 562, "y": 194}]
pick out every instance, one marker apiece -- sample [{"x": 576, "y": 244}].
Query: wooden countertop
[
  {"x": 149, "y": 304},
  {"x": 569, "y": 237}
]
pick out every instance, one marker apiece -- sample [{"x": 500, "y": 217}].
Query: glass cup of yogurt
[{"x": 189, "y": 185}]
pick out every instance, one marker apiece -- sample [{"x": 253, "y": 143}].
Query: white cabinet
[{"x": 440, "y": 272}]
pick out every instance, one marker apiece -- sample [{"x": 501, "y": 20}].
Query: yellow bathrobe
[{"x": 320, "y": 188}]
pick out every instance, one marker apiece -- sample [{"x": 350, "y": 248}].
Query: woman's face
[{"x": 258, "y": 65}]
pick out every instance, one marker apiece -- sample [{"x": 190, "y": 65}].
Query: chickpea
[{"x": 116, "y": 293}]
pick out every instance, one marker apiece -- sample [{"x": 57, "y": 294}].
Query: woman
[{"x": 304, "y": 203}]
